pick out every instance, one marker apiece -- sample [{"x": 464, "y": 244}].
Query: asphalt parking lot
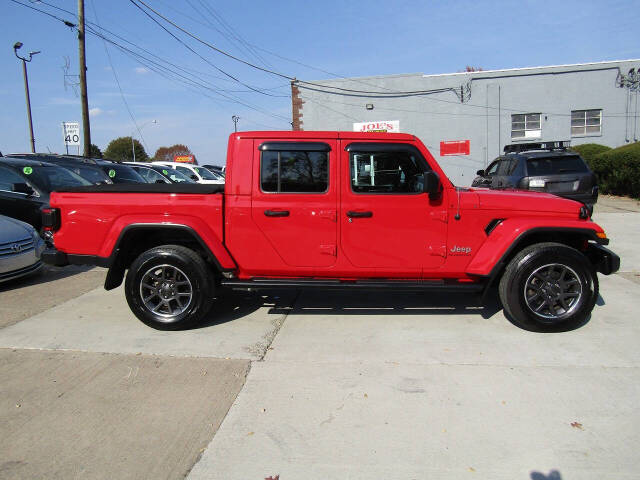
[{"x": 320, "y": 385}]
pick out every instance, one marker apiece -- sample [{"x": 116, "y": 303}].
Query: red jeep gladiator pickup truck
[{"x": 333, "y": 210}]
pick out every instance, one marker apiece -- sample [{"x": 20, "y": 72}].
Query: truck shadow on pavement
[
  {"x": 234, "y": 305},
  {"x": 46, "y": 275}
]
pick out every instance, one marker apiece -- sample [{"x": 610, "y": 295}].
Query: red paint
[
  {"x": 409, "y": 236},
  {"x": 455, "y": 147}
]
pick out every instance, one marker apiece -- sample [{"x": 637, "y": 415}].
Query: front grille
[{"x": 17, "y": 247}]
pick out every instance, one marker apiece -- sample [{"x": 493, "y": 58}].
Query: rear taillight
[{"x": 50, "y": 219}]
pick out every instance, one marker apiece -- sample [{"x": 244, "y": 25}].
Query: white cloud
[
  {"x": 94, "y": 112},
  {"x": 141, "y": 70}
]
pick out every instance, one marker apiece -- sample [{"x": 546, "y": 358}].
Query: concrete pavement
[{"x": 339, "y": 386}]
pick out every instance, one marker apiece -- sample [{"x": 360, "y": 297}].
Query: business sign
[
  {"x": 184, "y": 159},
  {"x": 454, "y": 147},
  {"x": 71, "y": 133},
  {"x": 385, "y": 126}
]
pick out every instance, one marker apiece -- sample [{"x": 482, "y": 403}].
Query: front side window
[
  {"x": 526, "y": 125},
  {"x": 493, "y": 168},
  {"x": 284, "y": 171},
  {"x": 8, "y": 178},
  {"x": 385, "y": 172},
  {"x": 586, "y": 122}
]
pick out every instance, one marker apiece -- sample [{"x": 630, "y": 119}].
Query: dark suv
[{"x": 542, "y": 167}]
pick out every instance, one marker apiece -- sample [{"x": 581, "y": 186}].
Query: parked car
[
  {"x": 216, "y": 169},
  {"x": 119, "y": 172},
  {"x": 541, "y": 167},
  {"x": 25, "y": 186},
  {"x": 194, "y": 172},
  {"x": 333, "y": 210},
  {"x": 154, "y": 173},
  {"x": 87, "y": 168},
  {"x": 20, "y": 249},
  {"x": 148, "y": 173}
]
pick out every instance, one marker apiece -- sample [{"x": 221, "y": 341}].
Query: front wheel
[
  {"x": 169, "y": 287},
  {"x": 549, "y": 286}
]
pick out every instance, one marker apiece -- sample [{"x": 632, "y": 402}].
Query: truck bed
[{"x": 94, "y": 217}]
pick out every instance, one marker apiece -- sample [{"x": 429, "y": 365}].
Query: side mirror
[
  {"x": 431, "y": 184},
  {"x": 22, "y": 188},
  {"x": 480, "y": 173}
]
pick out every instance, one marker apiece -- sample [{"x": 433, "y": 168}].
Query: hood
[
  {"x": 524, "y": 201},
  {"x": 12, "y": 230}
]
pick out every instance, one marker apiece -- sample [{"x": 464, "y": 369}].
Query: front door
[
  {"x": 294, "y": 202},
  {"x": 387, "y": 223}
]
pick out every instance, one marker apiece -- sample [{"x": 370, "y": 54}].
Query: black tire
[
  {"x": 173, "y": 279},
  {"x": 549, "y": 286}
]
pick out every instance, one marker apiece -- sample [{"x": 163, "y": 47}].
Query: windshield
[
  {"x": 555, "y": 165},
  {"x": 150, "y": 175},
  {"x": 174, "y": 175},
  {"x": 50, "y": 178},
  {"x": 94, "y": 175},
  {"x": 122, "y": 174},
  {"x": 204, "y": 173}
]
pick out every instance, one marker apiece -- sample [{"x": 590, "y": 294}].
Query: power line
[
  {"x": 158, "y": 69},
  {"x": 115, "y": 76},
  {"x": 196, "y": 53}
]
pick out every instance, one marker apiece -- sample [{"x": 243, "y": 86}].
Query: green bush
[
  {"x": 617, "y": 170},
  {"x": 589, "y": 151}
]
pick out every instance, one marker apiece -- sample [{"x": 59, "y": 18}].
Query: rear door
[
  {"x": 294, "y": 200},
  {"x": 386, "y": 222}
]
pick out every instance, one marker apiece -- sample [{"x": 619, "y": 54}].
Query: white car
[{"x": 199, "y": 174}]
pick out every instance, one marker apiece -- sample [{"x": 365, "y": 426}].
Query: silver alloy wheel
[
  {"x": 553, "y": 291},
  {"x": 166, "y": 291}
]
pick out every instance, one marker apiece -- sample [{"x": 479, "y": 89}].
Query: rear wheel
[
  {"x": 169, "y": 287},
  {"x": 549, "y": 285}
]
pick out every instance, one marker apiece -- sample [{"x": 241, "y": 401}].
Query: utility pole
[
  {"x": 86, "y": 128},
  {"x": 16, "y": 47},
  {"x": 235, "y": 119}
]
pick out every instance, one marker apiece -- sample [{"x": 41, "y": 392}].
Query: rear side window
[
  {"x": 283, "y": 171},
  {"x": 555, "y": 165}
]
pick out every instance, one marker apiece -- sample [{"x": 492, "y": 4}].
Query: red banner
[{"x": 454, "y": 147}]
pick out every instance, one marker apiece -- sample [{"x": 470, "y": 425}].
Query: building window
[
  {"x": 526, "y": 125},
  {"x": 586, "y": 122}
]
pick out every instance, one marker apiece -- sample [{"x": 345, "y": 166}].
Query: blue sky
[{"x": 345, "y": 38}]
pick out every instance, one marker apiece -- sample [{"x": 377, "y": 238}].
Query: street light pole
[
  {"x": 133, "y": 148},
  {"x": 16, "y": 47}
]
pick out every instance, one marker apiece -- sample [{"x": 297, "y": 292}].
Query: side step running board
[{"x": 436, "y": 286}]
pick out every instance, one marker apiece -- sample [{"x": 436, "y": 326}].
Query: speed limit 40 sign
[{"x": 71, "y": 133}]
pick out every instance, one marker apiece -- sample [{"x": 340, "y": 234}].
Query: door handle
[
  {"x": 276, "y": 213},
  {"x": 352, "y": 214}
]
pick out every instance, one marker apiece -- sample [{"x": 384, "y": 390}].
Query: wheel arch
[
  {"x": 137, "y": 238},
  {"x": 577, "y": 238}
]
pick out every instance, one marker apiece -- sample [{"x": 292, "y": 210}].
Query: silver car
[{"x": 20, "y": 249}]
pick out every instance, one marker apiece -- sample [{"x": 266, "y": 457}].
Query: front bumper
[{"x": 603, "y": 259}]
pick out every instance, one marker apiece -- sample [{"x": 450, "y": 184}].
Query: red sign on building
[{"x": 454, "y": 147}]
